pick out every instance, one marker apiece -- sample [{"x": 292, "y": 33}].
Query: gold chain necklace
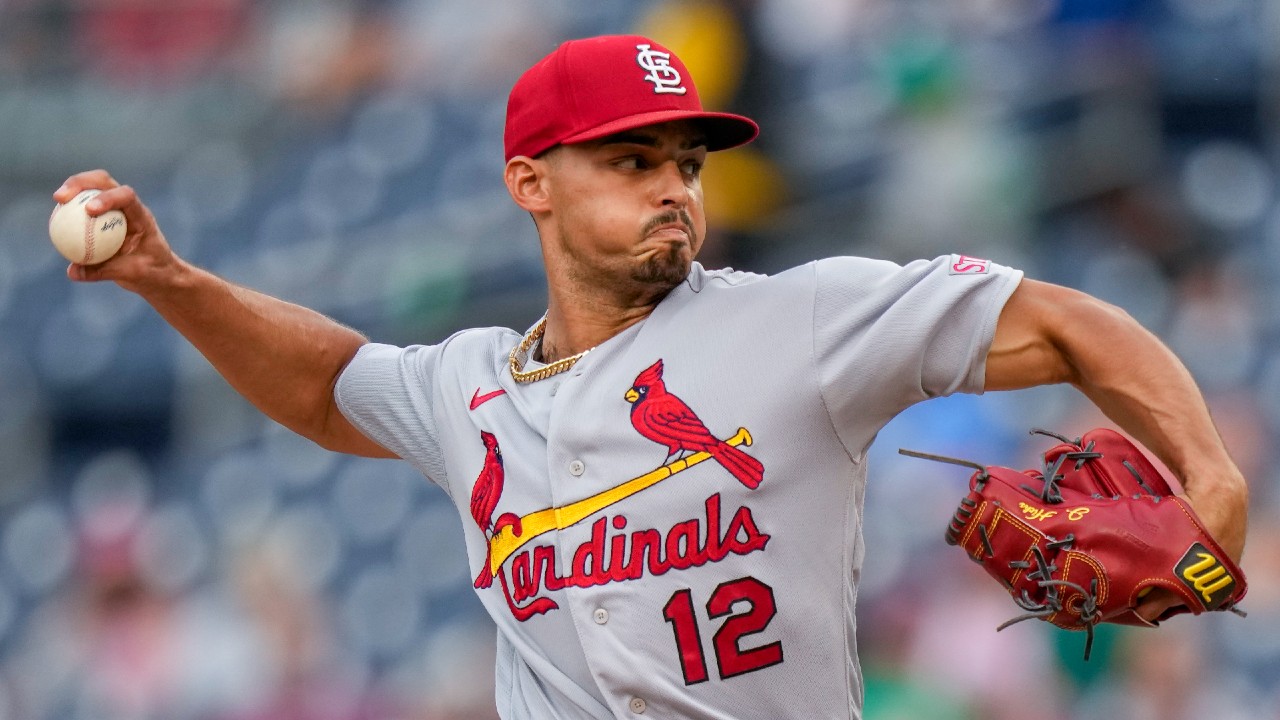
[{"x": 520, "y": 355}]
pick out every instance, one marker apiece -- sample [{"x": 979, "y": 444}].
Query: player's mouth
[
  {"x": 673, "y": 226},
  {"x": 675, "y": 232}
]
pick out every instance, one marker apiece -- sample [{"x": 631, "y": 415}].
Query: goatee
[{"x": 668, "y": 266}]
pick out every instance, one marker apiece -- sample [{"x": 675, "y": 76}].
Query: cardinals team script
[{"x": 659, "y": 416}]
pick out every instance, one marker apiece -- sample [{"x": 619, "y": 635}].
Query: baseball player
[{"x": 661, "y": 481}]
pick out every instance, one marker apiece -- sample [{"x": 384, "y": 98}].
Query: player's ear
[{"x": 526, "y": 180}]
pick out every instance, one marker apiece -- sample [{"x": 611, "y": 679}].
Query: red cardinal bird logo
[
  {"x": 484, "y": 500},
  {"x": 665, "y": 419}
]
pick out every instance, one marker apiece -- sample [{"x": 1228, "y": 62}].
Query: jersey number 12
[{"x": 731, "y": 658}]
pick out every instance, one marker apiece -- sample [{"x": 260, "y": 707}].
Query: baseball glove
[{"x": 1083, "y": 539}]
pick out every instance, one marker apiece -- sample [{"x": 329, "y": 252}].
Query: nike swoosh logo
[{"x": 477, "y": 399}]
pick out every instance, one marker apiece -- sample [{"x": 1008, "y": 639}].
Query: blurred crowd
[{"x": 165, "y": 552}]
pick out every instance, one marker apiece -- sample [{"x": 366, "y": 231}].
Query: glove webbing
[
  {"x": 1051, "y": 475},
  {"x": 1043, "y": 570}
]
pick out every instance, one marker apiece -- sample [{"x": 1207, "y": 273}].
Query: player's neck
[
  {"x": 587, "y": 305},
  {"x": 575, "y": 327}
]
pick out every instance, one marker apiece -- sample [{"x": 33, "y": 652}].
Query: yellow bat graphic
[{"x": 505, "y": 542}]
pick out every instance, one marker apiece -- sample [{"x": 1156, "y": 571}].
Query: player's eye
[
  {"x": 630, "y": 162},
  {"x": 692, "y": 168}
]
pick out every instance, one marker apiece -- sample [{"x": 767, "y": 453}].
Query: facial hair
[{"x": 668, "y": 266}]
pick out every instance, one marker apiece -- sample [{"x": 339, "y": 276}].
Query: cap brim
[{"x": 723, "y": 130}]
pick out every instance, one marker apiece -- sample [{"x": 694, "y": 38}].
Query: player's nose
[{"x": 671, "y": 185}]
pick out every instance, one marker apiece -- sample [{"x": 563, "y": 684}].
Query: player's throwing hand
[{"x": 145, "y": 257}]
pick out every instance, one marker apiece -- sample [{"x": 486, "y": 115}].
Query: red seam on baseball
[{"x": 89, "y": 222}]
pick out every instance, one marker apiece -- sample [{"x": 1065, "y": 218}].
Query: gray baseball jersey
[{"x": 672, "y": 528}]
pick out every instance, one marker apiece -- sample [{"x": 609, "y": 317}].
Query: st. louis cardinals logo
[
  {"x": 659, "y": 416},
  {"x": 484, "y": 499},
  {"x": 665, "y": 79},
  {"x": 666, "y": 420}
]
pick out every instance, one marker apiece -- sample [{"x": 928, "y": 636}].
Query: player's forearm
[
  {"x": 1142, "y": 386},
  {"x": 1051, "y": 334},
  {"x": 282, "y": 357}
]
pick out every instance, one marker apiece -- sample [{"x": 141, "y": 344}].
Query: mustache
[{"x": 671, "y": 216}]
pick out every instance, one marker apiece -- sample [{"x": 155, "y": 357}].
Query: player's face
[{"x": 628, "y": 208}]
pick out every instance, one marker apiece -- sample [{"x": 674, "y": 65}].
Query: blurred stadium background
[{"x": 165, "y": 552}]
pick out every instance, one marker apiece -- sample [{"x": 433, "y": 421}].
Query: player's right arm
[{"x": 283, "y": 358}]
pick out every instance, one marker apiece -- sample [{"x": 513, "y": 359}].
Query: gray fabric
[{"x": 812, "y": 362}]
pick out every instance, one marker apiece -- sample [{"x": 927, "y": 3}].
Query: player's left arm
[{"x": 1051, "y": 334}]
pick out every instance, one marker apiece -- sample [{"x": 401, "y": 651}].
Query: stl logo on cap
[
  {"x": 665, "y": 78},
  {"x": 573, "y": 96}
]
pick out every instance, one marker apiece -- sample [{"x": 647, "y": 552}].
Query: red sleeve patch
[{"x": 965, "y": 265}]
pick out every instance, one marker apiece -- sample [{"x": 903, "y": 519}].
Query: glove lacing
[{"x": 1042, "y": 571}]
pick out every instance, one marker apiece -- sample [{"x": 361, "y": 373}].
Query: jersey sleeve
[
  {"x": 887, "y": 336},
  {"x": 388, "y": 393}
]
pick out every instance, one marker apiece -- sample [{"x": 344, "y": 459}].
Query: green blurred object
[
  {"x": 923, "y": 72},
  {"x": 1068, "y": 647},
  {"x": 894, "y": 697},
  {"x": 426, "y": 289}
]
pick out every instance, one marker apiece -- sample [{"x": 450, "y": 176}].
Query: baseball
[{"x": 83, "y": 239}]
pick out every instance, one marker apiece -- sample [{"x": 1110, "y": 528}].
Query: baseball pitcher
[{"x": 661, "y": 480}]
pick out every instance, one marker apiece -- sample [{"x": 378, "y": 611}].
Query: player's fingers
[
  {"x": 123, "y": 266},
  {"x": 123, "y": 198},
  {"x": 1155, "y": 603},
  {"x": 88, "y": 180},
  {"x": 85, "y": 273},
  {"x": 117, "y": 198}
]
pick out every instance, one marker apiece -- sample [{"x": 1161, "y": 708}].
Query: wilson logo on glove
[{"x": 1200, "y": 570}]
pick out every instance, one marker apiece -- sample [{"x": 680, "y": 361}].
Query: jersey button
[
  {"x": 601, "y": 616},
  {"x": 577, "y": 467},
  {"x": 638, "y": 705}
]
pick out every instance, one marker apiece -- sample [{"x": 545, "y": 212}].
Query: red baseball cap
[{"x": 588, "y": 89}]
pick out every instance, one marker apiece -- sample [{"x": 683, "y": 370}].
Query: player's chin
[{"x": 665, "y": 265}]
